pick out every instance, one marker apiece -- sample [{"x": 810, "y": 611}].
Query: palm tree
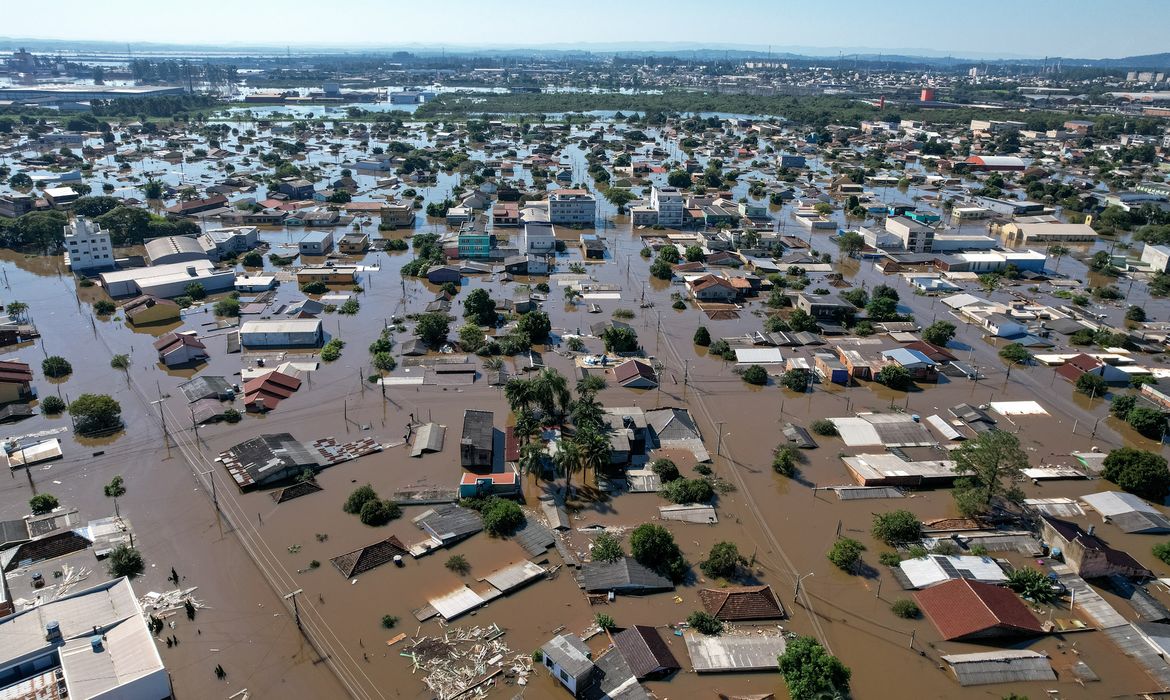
[
  {"x": 519, "y": 394},
  {"x": 571, "y": 295},
  {"x": 596, "y": 453},
  {"x": 568, "y": 460},
  {"x": 526, "y": 426},
  {"x": 551, "y": 392},
  {"x": 590, "y": 384},
  {"x": 16, "y": 310},
  {"x": 532, "y": 459},
  {"x": 586, "y": 413}
]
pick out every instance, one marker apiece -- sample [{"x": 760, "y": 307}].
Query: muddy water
[{"x": 783, "y": 524}]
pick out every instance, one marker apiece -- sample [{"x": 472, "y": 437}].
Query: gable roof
[
  {"x": 645, "y": 652},
  {"x": 633, "y": 369},
  {"x": 369, "y": 557},
  {"x": 270, "y": 388},
  {"x": 1072, "y": 532},
  {"x": 625, "y": 574},
  {"x": 962, "y": 608},
  {"x": 15, "y": 372},
  {"x": 742, "y": 603},
  {"x": 172, "y": 341}
]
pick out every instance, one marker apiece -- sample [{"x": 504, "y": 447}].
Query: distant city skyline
[{"x": 997, "y": 28}]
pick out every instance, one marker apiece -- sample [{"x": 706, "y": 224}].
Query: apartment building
[
  {"x": 87, "y": 246},
  {"x": 668, "y": 202},
  {"x": 572, "y": 207},
  {"x": 915, "y": 237}
]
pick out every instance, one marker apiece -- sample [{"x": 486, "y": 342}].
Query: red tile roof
[
  {"x": 170, "y": 341},
  {"x": 267, "y": 390},
  {"x": 15, "y": 373},
  {"x": 632, "y": 369},
  {"x": 960, "y": 609},
  {"x": 742, "y": 603}
]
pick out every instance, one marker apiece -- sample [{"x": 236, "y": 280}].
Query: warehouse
[
  {"x": 174, "y": 249},
  {"x": 281, "y": 333},
  {"x": 166, "y": 281}
]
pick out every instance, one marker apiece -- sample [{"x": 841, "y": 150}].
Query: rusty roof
[
  {"x": 960, "y": 609},
  {"x": 742, "y": 603},
  {"x": 369, "y": 557}
]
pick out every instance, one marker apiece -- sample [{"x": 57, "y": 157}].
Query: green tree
[
  {"x": 153, "y": 189},
  {"x": 801, "y": 322},
  {"x": 885, "y": 291},
  {"x": 535, "y": 325},
  {"x": 195, "y": 290},
  {"x": 846, "y": 554},
  {"x": 881, "y": 309},
  {"x": 458, "y": 564},
  {"x": 115, "y": 490},
  {"x": 1014, "y": 352},
  {"x": 1147, "y": 421},
  {"x": 619, "y": 197},
  {"x": 104, "y": 307},
  {"x": 383, "y": 361},
  {"x": 607, "y": 548},
  {"x": 1121, "y": 405},
  {"x": 1139, "y": 472},
  {"x": 702, "y": 337},
  {"x": 377, "y": 512},
  {"x": 851, "y": 243},
  {"x": 797, "y": 379},
  {"x": 811, "y": 673},
  {"x": 227, "y": 308},
  {"x": 896, "y": 377},
  {"x": 723, "y": 561},
  {"x": 620, "y": 339},
  {"x": 897, "y": 527},
  {"x": 52, "y": 405},
  {"x": 501, "y": 516},
  {"x": 56, "y": 366},
  {"x": 1162, "y": 552},
  {"x": 1092, "y": 385},
  {"x": 95, "y": 413},
  {"x": 990, "y": 466},
  {"x": 480, "y": 308},
  {"x": 432, "y": 328},
  {"x": 43, "y": 503},
  {"x": 358, "y": 498},
  {"x": 939, "y": 333},
  {"x": 666, "y": 469},
  {"x": 1032, "y": 584},
  {"x": 678, "y": 178},
  {"x": 252, "y": 259},
  {"x": 905, "y": 609},
  {"x": 756, "y": 375},
  {"x": 125, "y": 560},
  {"x": 121, "y": 361},
  {"x": 654, "y": 547},
  {"x": 695, "y": 253},
  {"x": 784, "y": 460},
  {"x": 688, "y": 491}
]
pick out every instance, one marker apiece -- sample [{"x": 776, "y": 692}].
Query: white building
[
  {"x": 539, "y": 238},
  {"x": 668, "y": 202},
  {"x": 916, "y": 237},
  {"x": 87, "y": 246},
  {"x": 281, "y": 333},
  {"x": 1157, "y": 257},
  {"x": 168, "y": 281},
  {"x": 572, "y": 207},
  {"x": 226, "y": 241},
  {"x": 94, "y": 643}
]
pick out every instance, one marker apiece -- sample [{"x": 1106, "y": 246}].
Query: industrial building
[
  {"x": 174, "y": 249},
  {"x": 167, "y": 281},
  {"x": 281, "y": 333}
]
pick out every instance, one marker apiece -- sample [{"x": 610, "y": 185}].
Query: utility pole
[
  {"x": 296, "y": 610},
  {"x": 719, "y": 444}
]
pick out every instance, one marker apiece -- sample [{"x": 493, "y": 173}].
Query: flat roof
[{"x": 734, "y": 652}]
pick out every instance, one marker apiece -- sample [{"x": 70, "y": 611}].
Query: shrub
[
  {"x": 846, "y": 554},
  {"x": 823, "y": 426},
  {"x": 607, "y": 548},
  {"x": 1092, "y": 385},
  {"x": 376, "y": 513},
  {"x": 784, "y": 460},
  {"x": 1122, "y": 404},
  {"x": 384, "y": 361},
  {"x": 389, "y": 621},
  {"x": 1014, "y": 352},
  {"x": 103, "y": 307},
  {"x": 702, "y": 336},
  {"x": 231, "y": 415},
  {"x": 810, "y": 672},
  {"x": 121, "y": 362},
  {"x": 939, "y": 333},
  {"x": 688, "y": 491},
  {"x": 1162, "y": 552},
  {"x": 897, "y": 527},
  {"x": 723, "y": 561},
  {"x": 704, "y": 622},
  {"x": 43, "y": 503},
  {"x": 360, "y": 496},
  {"x": 905, "y": 608},
  {"x": 889, "y": 558},
  {"x": 1032, "y": 584},
  {"x": 896, "y": 377},
  {"x": 501, "y": 516},
  {"x": 125, "y": 560},
  {"x": 756, "y": 375},
  {"x": 665, "y": 469},
  {"x": 52, "y": 405},
  {"x": 349, "y": 308},
  {"x": 315, "y": 287},
  {"x": 227, "y": 308},
  {"x": 56, "y": 366},
  {"x": 458, "y": 564},
  {"x": 1147, "y": 421},
  {"x": 796, "y": 379},
  {"x": 605, "y": 622},
  {"x": 332, "y": 350}
]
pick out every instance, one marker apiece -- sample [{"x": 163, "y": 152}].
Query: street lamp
[{"x": 796, "y": 593}]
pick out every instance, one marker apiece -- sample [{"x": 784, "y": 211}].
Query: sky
[{"x": 987, "y": 29}]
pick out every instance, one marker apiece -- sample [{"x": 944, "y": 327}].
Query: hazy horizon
[{"x": 1070, "y": 29}]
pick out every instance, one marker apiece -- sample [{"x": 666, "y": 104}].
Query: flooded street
[{"x": 245, "y": 552}]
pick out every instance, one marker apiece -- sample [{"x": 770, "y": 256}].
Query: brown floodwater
[{"x": 251, "y": 552}]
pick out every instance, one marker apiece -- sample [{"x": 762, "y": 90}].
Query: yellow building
[{"x": 337, "y": 274}]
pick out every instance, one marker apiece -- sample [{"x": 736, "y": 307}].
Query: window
[
  {"x": 564, "y": 676},
  {"x": 548, "y": 661}
]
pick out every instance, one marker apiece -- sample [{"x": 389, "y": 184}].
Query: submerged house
[
  {"x": 1087, "y": 554},
  {"x": 475, "y": 446},
  {"x": 567, "y": 658}
]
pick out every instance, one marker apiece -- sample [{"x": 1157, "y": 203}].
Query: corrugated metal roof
[{"x": 1007, "y": 666}]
